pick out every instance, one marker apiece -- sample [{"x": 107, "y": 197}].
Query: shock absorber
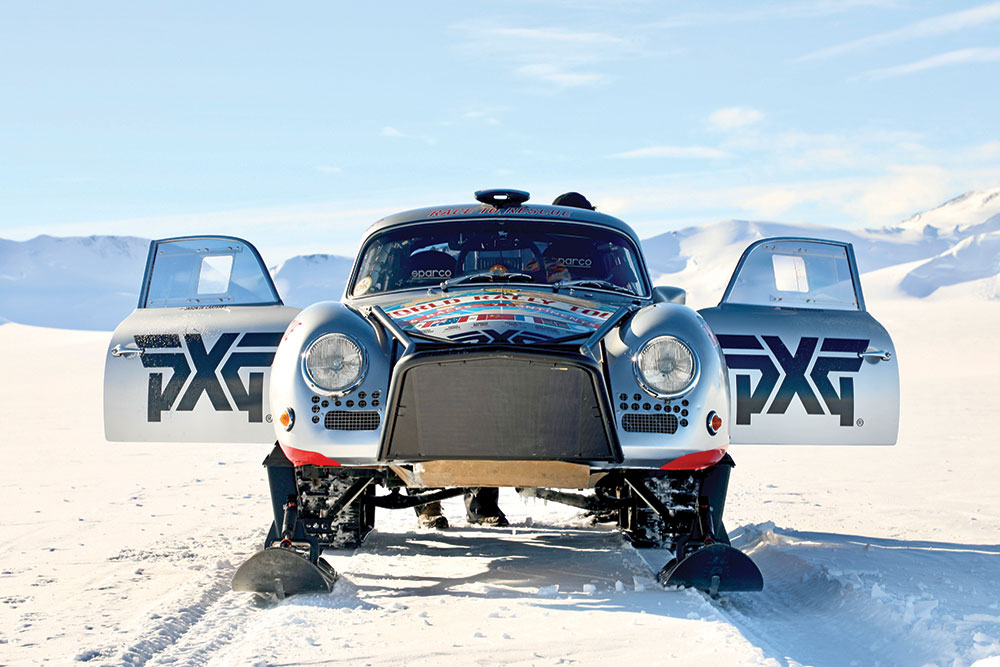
[{"x": 288, "y": 523}]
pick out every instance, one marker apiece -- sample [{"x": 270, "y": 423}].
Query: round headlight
[
  {"x": 665, "y": 366},
  {"x": 334, "y": 364}
]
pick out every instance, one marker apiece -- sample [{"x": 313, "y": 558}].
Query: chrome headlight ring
[
  {"x": 644, "y": 382},
  {"x": 315, "y": 386}
]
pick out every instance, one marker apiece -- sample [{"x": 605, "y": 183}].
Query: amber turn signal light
[
  {"x": 714, "y": 422},
  {"x": 287, "y": 419}
]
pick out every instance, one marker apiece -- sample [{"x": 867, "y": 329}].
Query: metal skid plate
[{"x": 283, "y": 572}]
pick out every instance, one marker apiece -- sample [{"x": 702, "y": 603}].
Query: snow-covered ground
[
  {"x": 122, "y": 553},
  {"x": 115, "y": 553}
]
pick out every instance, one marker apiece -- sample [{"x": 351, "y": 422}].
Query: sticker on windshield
[{"x": 363, "y": 286}]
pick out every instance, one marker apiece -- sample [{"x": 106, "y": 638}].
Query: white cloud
[
  {"x": 901, "y": 192},
  {"x": 611, "y": 205},
  {"x": 774, "y": 11},
  {"x": 823, "y": 157},
  {"x": 278, "y": 231},
  {"x": 559, "y": 76},
  {"x": 685, "y": 152},
  {"x": 72, "y": 179},
  {"x": 389, "y": 131},
  {"x": 959, "y": 57},
  {"x": 551, "y": 36},
  {"x": 488, "y": 116},
  {"x": 551, "y": 56},
  {"x": 771, "y": 203},
  {"x": 731, "y": 118},
  {"x": 936, "y": 25},
  {"x": 877, "y": 200},
  {"x": 988, "y": 151},
  {"x": 328, "y": 169}
]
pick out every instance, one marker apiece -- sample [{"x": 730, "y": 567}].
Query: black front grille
[
  {"x": 345, "y": 420},
  {"x": 500, "y": 405},
  {"x": 649, "y": 423}
]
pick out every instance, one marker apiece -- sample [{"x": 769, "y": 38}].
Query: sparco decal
[
  {"x": 208, "y": 365},
  {"x": 745, "y": 352},
  {"x": 573, "y": 261},
  {"x": 430, "y": 273}
]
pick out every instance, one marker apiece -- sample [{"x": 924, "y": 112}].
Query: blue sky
[{"x": 298, "y": 125}]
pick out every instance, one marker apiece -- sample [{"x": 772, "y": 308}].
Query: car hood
[{"x": 513, "y": 316}]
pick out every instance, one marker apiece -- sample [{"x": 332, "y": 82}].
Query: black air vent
[
  {"x": 345, "y": 420},
  {"x": 649, "y": 423}
]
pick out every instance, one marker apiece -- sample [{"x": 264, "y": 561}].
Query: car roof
[{"x": 484, "y": 213}]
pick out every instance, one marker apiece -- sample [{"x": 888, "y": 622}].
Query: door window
[
  {"x": 207, "y": 272},
  {"x": 796, "y": 274}
]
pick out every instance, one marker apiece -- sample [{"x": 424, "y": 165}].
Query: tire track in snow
[
  {"x": 823, "y": 602},
  {"x": 169, "y": 628},
  {"x": 205, "y": 613}
]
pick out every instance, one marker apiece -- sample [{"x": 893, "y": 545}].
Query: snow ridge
[{"x": 93, "y": 282}]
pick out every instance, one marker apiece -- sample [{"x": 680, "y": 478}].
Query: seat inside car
[
  {"x": 428, "y": 267},
  {"x": 573, "y": 260}
]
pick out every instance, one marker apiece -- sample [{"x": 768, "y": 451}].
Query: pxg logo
[
  {"x": 249, "y": 398},
  {"x": 745, "y": 352}
]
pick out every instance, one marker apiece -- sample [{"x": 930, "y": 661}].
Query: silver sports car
[{"x": 501, "y": 344}]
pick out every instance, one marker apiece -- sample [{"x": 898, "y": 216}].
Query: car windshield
[{"x": 427, "y": 255}]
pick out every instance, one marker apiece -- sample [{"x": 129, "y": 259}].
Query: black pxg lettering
[
  {"x": 794, "y": 366},
  {"x": 249, "y": 398}
]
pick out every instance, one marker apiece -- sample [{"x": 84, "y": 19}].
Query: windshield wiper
[
  {"x": 591, "y": 282},
  {"x": 484, "y": 276}
]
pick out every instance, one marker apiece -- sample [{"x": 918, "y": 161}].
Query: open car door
[
  {"x": 192, "y": 362},
  {"x": 807, "y": 363}
]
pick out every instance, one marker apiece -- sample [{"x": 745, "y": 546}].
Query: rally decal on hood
[{"x": 491, "y": 316}]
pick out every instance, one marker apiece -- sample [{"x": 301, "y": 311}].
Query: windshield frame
[{"x": 627, "y": 241}]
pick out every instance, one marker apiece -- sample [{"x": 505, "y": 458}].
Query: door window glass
[
  {"x": 207, "y": 272},
  {"x": 796, "y": 274}
]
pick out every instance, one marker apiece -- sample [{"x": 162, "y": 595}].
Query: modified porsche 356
[{"x": 501, "y": 344}]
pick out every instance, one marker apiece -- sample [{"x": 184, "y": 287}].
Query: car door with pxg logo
[
  {"x": 192, "y": 362},
  {"x": 807, "y": 363}
]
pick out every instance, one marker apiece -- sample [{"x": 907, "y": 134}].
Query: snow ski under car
[
  {"x": 716, "y": 568},
  {"x": 283, "y": 572}
]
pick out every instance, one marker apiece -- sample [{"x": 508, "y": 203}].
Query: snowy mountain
[
  {"x": 959, "y": 217},
  {"x": 71, "y": 282},
  {"x": 957, "y": 242},
  {"x": 306, "y": 279},
  {"x": 93, "y": 282},
  {"x": 974, "y": 258}
]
